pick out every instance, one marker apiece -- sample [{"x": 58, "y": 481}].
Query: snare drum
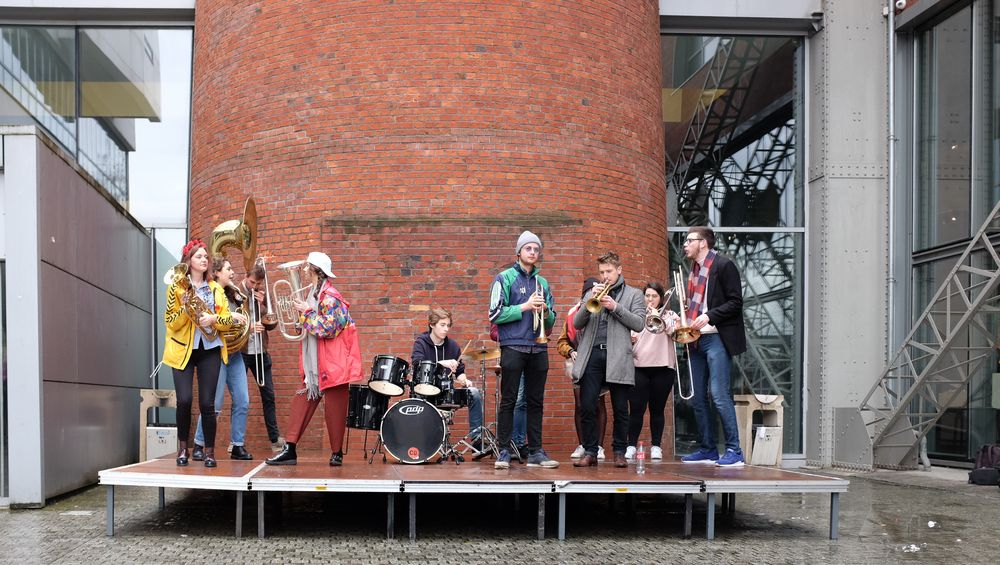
[
  {"x": 365, "y": 408},
  {"x": 413, "y": 431},
  {"x": 388, "y": 375},
  {"x": 427, "y": 378}
]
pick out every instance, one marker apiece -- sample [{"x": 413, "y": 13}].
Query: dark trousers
[
  {"x": 266, "y": 391},
  {"x": 535, "y": 367},
  {"x": 652, "y": 388},
  {"x": 593, "y": 379},
  {"x": 207, "y": 362}
]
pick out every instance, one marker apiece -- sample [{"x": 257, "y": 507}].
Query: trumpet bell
[{"x": 686, "y": 335}]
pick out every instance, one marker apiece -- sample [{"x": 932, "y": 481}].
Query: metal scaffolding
[{"x": 950, "y": 341}]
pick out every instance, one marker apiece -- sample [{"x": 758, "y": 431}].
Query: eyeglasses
[
  {"x": 691, "y": 239},
  {"x": 530, "y": 249}
]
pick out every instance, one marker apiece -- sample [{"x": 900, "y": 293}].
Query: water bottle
[{"x": 640, "y": 459}]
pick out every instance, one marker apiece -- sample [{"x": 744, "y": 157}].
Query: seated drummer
[{"x": 435, "y": 345}]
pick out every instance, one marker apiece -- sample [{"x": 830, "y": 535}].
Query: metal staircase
[{"x": 950, "y": 341}]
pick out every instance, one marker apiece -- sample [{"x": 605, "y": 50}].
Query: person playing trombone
[
  {"x": 255, "y": 354},
  {"x": 655, "y": 361},
  {"x": 612, "y": 310}
]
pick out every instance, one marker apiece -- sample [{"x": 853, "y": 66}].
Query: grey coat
[{"x": 629, "y": 316}]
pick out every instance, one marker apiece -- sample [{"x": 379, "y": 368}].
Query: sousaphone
[{"x": 240, "y": 234}]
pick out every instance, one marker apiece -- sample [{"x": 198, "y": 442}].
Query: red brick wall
[{"x": 413, "y": 141}]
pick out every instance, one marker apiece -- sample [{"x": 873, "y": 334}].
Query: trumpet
[
  {"x": 192, "y": 304},
  {"x": 286, "y": 292},
  {"x": 594, "y": 303},
  {"x": 684, "y": 334},
  {"x": 539, "y": 316},
  {"x": 654, "y": 320}
]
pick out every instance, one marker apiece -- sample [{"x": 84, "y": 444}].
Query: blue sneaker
[
  {"x": 701, "y": 456},
  {"x": 732, "y": 458},
  {"x": 503, "y": 462},
  {"x": 542, "y": 459}
]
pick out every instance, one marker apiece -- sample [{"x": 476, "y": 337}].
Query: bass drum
[{"x": 413, "y": 431}]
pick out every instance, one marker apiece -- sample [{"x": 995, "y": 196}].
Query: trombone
[
  {"x": 539, "y": 316},
  {"x": 685, "y": 335},
  {"x": 654, "y": 320},
  {"x": 594, "y": 303},
  {"x": 257, "y": 317}
]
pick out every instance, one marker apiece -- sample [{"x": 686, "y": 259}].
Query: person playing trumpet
[
  {"x": 197, "y": 310},
  {"x": 612, "y": 310},
  {"x": 715, "y": 308},
  {"x": 330, "y": 360},
  {"x": 655, "y": 361},
  {"x": 514, "y": 292}
]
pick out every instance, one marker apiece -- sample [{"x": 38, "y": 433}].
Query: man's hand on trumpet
[
  {"x": 606, "y": 300},
  {"x": 536, "y": 303}
]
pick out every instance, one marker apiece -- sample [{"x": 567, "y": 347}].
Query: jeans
[
  {"x": 475, "y": 409},
  {"x": 233, "y": 375},
  {"x": 535, "y": 368},
  {"x": 266, "y": 391},
  {"x": 711, "y": 366},
  {"x": 594, "y": 378},
  {"x": 520, "y": 416}
]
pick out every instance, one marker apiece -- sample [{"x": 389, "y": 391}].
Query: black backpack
[{"x": 987, "y": 471}]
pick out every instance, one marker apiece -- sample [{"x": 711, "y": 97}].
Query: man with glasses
[
  {"x": 516, "y": 295},
  {"x": 715, "y": 308}
]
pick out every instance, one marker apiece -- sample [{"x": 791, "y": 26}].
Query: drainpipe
[{"x": 891, "y": 174}]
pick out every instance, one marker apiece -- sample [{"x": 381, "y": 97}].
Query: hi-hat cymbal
[{"x": 484, "y": 354}]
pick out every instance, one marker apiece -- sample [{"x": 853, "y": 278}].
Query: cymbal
[{"x": 484, "y": 354}]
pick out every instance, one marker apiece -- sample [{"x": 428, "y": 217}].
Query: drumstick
[{"x": 466, "y": 348}]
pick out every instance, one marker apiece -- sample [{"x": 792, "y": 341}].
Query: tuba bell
[
  {"x": 240, "y": 234},
  {"x": 286, "y": 291}
]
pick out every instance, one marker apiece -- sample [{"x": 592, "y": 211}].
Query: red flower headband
[{"x": 191, "y": 245}]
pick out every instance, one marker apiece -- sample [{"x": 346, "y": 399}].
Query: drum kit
[{"x": 416, "y": 429}]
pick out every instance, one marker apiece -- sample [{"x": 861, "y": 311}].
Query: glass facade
[
  {"x": 957, "y": 149},
  {"x": 732, "y": 118},
  {"x": 4, "y": 458}
]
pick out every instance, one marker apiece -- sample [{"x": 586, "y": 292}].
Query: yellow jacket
[{"x": 181, "y": 328}]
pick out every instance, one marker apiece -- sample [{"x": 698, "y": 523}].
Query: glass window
[
  {"x": 731, "y": 139},
  {"x": 944, "y": 132}
]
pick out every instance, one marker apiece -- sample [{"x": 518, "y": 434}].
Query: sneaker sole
[
  {"x": 703, "y": 462},
  {"x": 543, "y": 465},
  {"x": 739, "y": 464}
]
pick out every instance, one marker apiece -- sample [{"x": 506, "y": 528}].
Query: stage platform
[{"x": 313, "y": 474}]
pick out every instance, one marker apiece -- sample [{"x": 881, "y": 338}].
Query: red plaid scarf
[{"x": 697, "y": 281}]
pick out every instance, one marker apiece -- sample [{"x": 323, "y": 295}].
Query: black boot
[
  {"x": 240, "y": 453},
  {"x": 182, "y": 454},
  {"x": 198, "y": 453},
  {"x": 337, "y": 459},
  {"x": 286, "y": 457},
  {"x": 210, "y": 457}
]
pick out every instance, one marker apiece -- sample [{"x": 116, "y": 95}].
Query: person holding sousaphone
[
  {"x": 197, "y": 311},
  {"x": 232, "y": 374},
  {"x": 655, "y": 359},
  {"x": 714, "y": 306},
  {"x": 330, "y": 360},
  {"x": 435, "y": 346}
]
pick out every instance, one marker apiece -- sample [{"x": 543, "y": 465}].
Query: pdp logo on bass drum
[{"x": 411, "y": 410}]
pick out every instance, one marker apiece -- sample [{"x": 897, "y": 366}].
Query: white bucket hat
[{"x": 322, "y": 262}]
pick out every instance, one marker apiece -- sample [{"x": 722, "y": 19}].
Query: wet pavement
[{"x": 886, "y": 517}]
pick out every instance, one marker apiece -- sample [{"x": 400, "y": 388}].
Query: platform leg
[
  {"x": 239, "y": 514},
  {"x": 732, "y": 504},
  {"x": 710, "y": 517},
  {"x": 390, "y": 517},
  {"x": 725, "y": 504},
  {"x": 834, "y": 515},
  {"x": 562, "y": 515},
  {"x": 260, "y": 514},
  {"x": 541, "y": 516},
  {"x": 688, "y": 514},
  {"x": 413, "y": 517},
  {"x": 111, "y": 510},
  {"x": 162, "y": 497}
]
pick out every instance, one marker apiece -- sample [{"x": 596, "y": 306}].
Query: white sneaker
[
  {"x": 655, "y": 452},
  {"x": 578, "y": 452},
  {"x": 600, "y": 453},
  {"x": 630, "y": 452}
]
